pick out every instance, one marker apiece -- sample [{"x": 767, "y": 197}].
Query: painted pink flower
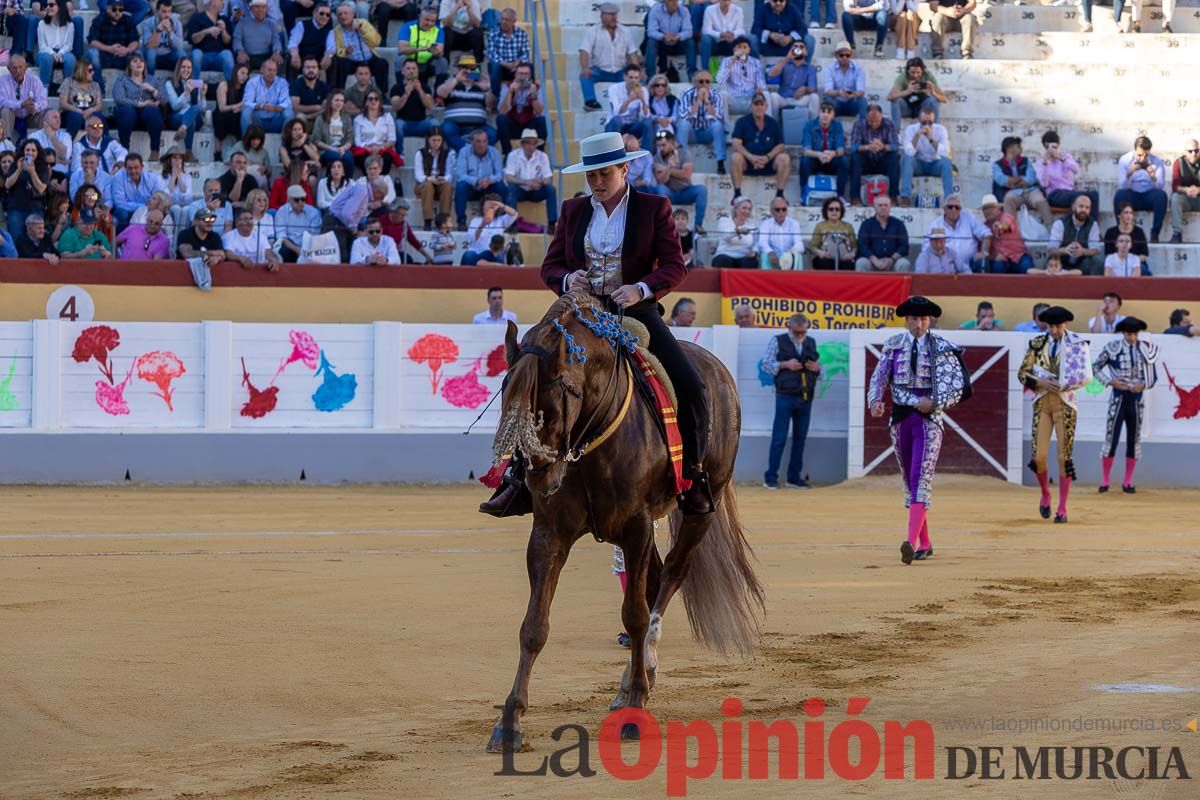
[
  {"x": 160, "y": 368},
  {"x": 111, "y": 399},
  {"x": 466, "y": 391},
  {"x": 304, "y": 349},
  {"x": 96, "y": 342},
  {"x": 435, "y": 350}
]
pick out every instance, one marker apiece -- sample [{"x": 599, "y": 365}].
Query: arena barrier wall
[
  {"x": 388, "y": 401},
  {"x": 163, "y": 291}
]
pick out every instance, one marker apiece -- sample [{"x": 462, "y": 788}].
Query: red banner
[{"x": 831, "y": 302}]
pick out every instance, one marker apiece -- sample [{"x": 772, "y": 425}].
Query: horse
[{"x": 597, "y": 461}]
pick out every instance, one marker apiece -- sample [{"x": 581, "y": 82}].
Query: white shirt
[
  {"x": 523, "y": 168},
  {"x": 716, "y": 22},
  {"x": 380, "y": 133},
  {"x": 924, "y": 151},
  {"x": 325, "y": 196},
  {"x": 965, "y": 237},
  {"x": 64, "y": 138},
  {"x": 362, "y": 249},
  {"x": 616, "y": 98},
  {"x": 1105, "y": 325},
  {"x": 486, "y": 318},
  {"x": 732, "y": 243},
  {"x": 1129, "y": 267},
  {"x": 182, "y": 194},
  {"x": 778, "y": 239},
  {"x": 53, "y": 38},
  {"x": 608, "y": 52},
  {"x": 447, "y": 169},
  {"x": 484, "y": 231},
  {"x": 253, "y": 247}
]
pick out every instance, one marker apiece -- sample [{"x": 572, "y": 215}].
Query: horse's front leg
[
  {"x": 638, "y": 541},
  {"x": 544, "y": 558}
]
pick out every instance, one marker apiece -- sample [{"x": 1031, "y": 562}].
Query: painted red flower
[
  {"x": 497, "y": 362},
  {"x": 435, "y": 350},
  {"x": 96, "y": 342},
  {"x": 262, "y": 401}
]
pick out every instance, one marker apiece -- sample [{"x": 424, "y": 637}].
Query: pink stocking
[
  {"x": 1106, "y": 465},
  {"x": 925, "y": 544},
  {"x": 1130, "y": 465},
  {"x": 916, "y": 521},
  {"x": 1064, "y": 489},
  {"x": 621, "y": 577},
  {"x": 1044, "y": 482}
]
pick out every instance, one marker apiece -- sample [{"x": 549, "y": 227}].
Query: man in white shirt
[
  {"x": 495, "y": 314},
  {"x": 375, "y": 248},
  {"x": 605, "y": 51},
  {"x": 528, "y": 177},
  {"x": 966, "y": 234},
  {"x": 723, "y": 22},
  {"x": 1108, "y": 315},
  {"x": 250, "y": 246},
  {"x": 780, "y": 235},
  {"x": 51, "y": 136},
  {"x": 629, "y": 107},
  {"x": 926, "y": 154}
]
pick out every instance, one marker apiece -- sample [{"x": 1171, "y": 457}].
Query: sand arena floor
[{"x": 310, "y": 642}]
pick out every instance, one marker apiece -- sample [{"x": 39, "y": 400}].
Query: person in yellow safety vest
[{"x": 424, "y": 40}]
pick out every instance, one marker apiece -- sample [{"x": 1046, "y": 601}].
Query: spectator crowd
[{"x": 77, "y": 183}]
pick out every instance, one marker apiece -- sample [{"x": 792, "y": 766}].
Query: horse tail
[{"x": 723, "y": 597}]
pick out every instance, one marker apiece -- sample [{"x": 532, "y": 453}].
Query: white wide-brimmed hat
[{"x": 602, "y": 150}]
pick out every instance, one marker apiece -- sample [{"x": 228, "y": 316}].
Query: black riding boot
[
  {"x": 698, "y": 499},
  {"x": 512, "y": 499}
]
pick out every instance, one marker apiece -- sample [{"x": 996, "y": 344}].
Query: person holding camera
[
  {"x": 1141, "y": 182},
  {"x": 467, "y": 100},
  {"x": 926, "y": 153},
  {"x": 521, "y": 107},
  {"x": 913, "y": 92},
  {"x": 797, "y": 81}
]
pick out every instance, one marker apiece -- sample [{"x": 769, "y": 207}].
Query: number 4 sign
[{"x": 70, "y": 303}]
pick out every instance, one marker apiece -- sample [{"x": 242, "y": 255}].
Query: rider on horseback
[{"x": 622, "y": 246}]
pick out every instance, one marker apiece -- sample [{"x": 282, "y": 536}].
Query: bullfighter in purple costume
[{"x": 927, "y": 377}]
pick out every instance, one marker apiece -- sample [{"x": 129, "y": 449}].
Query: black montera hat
[
  {"x": 918, "y": 306},
  {"x": 1056, "y": 315},
  {"x": 1131, "y": 325}
]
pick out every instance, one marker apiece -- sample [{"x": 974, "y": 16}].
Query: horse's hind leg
[
  {"x": 544, "y": 559},
  {"x": 653, "y": 580},
  {"x": 674, "y": 570}
]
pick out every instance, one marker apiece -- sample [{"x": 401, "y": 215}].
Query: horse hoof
[
  {"x": 630, "y": 732},
  {"x": 499, "y": 744}
]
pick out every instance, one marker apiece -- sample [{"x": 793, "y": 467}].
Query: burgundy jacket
[{"x": 650, "y": 251}]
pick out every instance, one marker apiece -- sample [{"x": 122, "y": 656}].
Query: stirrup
[
  {"x": 512, "y": 499},
  {"x": 698, "y": 499}
]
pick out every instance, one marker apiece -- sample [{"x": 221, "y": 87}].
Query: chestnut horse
[{"x": 596, "y": 462}]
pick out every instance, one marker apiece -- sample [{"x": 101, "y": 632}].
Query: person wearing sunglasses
[
  {"x": 797, "y": 82},
  {"x": 845, "y": 84},
  {"x": 307, "y": 37},
  {"x": 144, "y": 241},
  {"x": 833, "y": 242},
  {"x": 1185, "y": 188},
  {"x": 780, "y": 238},
  {"x": 701, "y": 117}
]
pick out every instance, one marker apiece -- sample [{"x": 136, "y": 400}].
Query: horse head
[{"x": 557, "y": 375}]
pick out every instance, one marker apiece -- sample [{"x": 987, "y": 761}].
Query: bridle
[{"x": 607, "y": 326}]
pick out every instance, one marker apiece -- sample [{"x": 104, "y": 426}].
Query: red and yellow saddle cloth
[{"x": 669, "y": 416}]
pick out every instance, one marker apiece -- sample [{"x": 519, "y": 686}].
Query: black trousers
[
  {"x": 689, "y": 389},
  {"x": 1127, "y": 417}
]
